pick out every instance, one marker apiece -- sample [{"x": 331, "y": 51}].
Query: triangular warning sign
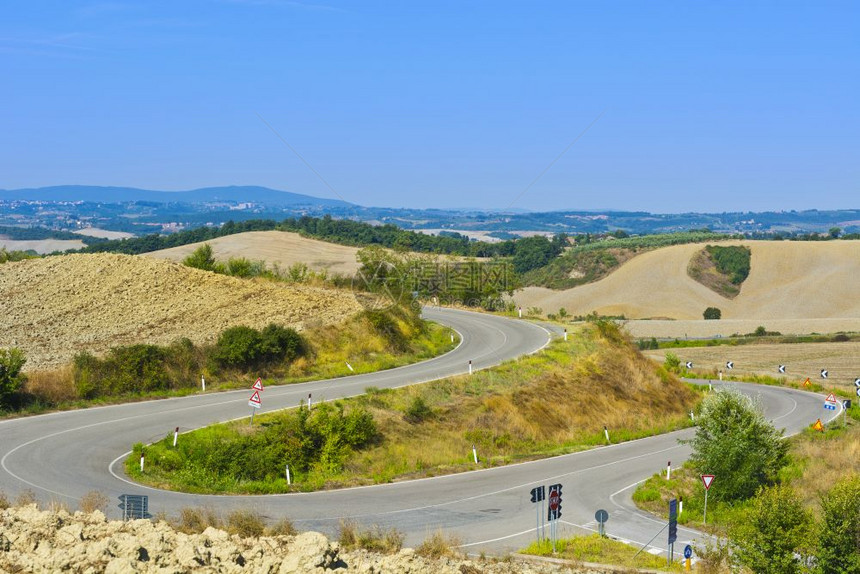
[
  {"x": 806, "y": 383},
  {"x": 818, "y": 426},
  {"x": 255, "y": 398},
  {"x": 258, "y": 385},
  {"x": 707, "y": 479},
  {"x": 831, "y": 398}
]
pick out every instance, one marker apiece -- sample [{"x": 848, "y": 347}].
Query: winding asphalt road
[{"x": 62, "y": 456}]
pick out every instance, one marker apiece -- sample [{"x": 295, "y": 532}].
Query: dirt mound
[
  {"x": 788, "y": 280},
  {"x": 58, "y": 306},
  {"x": 274, "y": 247},
  {"x": 40, "y": 541}
]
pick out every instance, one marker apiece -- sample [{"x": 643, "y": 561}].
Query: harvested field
[
  {"x": 702, "y": 329},
  {"x": 55, "y": 307},
  {"x": 802, "y": 360},
  {"x": 41, "y": 245},
  {"x": 788, "y": 280},
  {"x": 103, "y": 233},
  {"x": 274, "y": 247}
]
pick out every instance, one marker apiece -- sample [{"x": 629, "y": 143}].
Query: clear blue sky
[{"x": 709, "y": 106}]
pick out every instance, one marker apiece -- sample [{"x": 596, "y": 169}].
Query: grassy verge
[
  {"x": 353, "y": 347},
  {"x": 818, "y": 461},
  {"x": 595, "y": 548},
  {"x": 554, "y": 402}
]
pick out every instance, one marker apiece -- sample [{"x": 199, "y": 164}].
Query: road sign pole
[
  {"x": 252, "y": 417},
  {"x": 705, "y": 514}
]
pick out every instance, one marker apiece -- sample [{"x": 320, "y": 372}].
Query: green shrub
[
  {"x": 201, "y": 258},
  {"x": 11, "y": 362},
  {"x": 245, "y": 347},
  {"x": 839, "y": 537},
  {"x": 736, "y": 442},
  {"x": 712, "y": 313},
  {"x": 418, "y": 411},
  {"x": 672, "y": 363}
]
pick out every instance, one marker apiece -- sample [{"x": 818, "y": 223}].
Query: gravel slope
[{"x": 55, "y": 307}]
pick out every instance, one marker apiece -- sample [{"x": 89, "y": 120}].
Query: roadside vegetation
[
  {"x": 369, "y": 341},
  {"x": 601, "y": 550},
  {"x": 761, "y": 336},
  {"x": 777, "y": 505},
  {"x": 722, "y": 269},
  {"x": 554, "y": 402}
]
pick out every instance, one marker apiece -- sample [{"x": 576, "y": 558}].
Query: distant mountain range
[{"x": 230, "y": 194}]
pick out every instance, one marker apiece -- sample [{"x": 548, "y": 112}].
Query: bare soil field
[
  {"x": 55, "y": 307},
  {"x": 802, "y": 360},
  {"x": 788, "y": 280},
  {"x": 103, "y": 233},
  {"x": 41, "y": 245},
  {"x": 274, "y": 247}
]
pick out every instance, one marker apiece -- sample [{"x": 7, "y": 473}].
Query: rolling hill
[
  {"x": 274, "y": 247},
  {"x": 795, "y": 281},
  {"x": 58, "y": 306}
]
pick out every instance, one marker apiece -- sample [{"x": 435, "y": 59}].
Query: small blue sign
[
  {"x": 830, "y": 406},
  {"x": 688, "y": 551}
]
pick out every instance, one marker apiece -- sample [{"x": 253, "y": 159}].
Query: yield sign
[
  {"x": 258, "y": 385},
  {"x": 707, "y": 479},
  {"x": 255, "y": 401}
]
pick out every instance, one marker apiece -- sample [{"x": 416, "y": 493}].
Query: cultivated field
[
  {"x": 794, "y": 281},
  {"x": 41, "y": 245},
  {"x": 58, "y": 306},
  {"x": 103, "y": 233},
  {"x": 274, "y": 247},
  {"x": 802, "y": 360}
]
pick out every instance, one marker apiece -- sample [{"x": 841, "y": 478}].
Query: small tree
[
  {"x": 772, "y": 532},
  {"x": 712, "y": 313},
  {"x": 672, "y": 363},
  {"x": 11, "y": 379},
  {"x": 839, "y": 537},
  {"x": 734, "y": 441},
  {"x": 202, "y": 258}
]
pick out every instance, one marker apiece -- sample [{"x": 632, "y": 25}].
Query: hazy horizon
[{"x": 665, "y": 107}]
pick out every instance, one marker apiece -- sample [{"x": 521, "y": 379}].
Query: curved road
[{"x": 61, "y": 456}]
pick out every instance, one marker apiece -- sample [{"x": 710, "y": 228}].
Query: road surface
[{"x": 62, "y": 456}]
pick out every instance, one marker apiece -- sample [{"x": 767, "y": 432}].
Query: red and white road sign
[
  {"x": 258, "y": 385},
  {"x": 831, "y": 398},
  {"x": 255, "y": 401},
  {"x": 707, "y": 479}
]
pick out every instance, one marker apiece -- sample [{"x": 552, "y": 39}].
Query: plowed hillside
[
  {"x": 788, "y": 280},
  {"x": 281, "y": 247},
  {"x": 55, "y": 307}
]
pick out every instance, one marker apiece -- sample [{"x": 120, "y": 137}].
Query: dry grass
[
  {"x": 25, "y": 497},
  {"x": 825, "y": 461},
  {"x": 195, "y": 520},
  {"x": 4, "y": 501},
  {"x": 439, "y": 545},
  {"x": 801, "y": 359},
  {"x": 283, "y": 527},
  {"x": 54, "y": 386},
  {"x": 94, "y": 500},
  {"x": 373, "y": 539},
  {"x": 41, "y": 245},
  {"x": 550, "y": 403},
  {"x": 246, "y": 523},
  {"x": 788, "y": 280}
]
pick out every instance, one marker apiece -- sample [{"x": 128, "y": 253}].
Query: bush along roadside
[{"x": 367, "y": 342}]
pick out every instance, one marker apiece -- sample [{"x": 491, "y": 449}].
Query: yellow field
[
  {"x": 788, "y": 281},
  {"x": 41, "y": 245},
  {"x": 802, "y": 360},
  {"x": 274, "y": 247}
]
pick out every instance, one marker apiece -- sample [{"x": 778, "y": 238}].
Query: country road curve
[{"x": 62, "y": 456}]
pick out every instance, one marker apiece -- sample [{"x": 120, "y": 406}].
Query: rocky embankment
[{"x": 33, "y": 540}]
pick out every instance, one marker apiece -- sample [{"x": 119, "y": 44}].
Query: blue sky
[{"x": 706, "y": 106}]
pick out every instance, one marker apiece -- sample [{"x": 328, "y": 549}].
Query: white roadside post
[
  {"x": 175, "y": 436},
  {"x": 203, "y": 382},
  {"x": 606, "y": 433},
  {"x": 565, "y": 333},
  {"x": 470, "y": 366},
  {"x": 141, "y": 461},
  {"x": 669, "y": 471},
  {"x": 289, "y": 479},
  {"x": 348, "y": 366},
  {"x": 680, "y": 505},
  {"x": 452, "y": 337},
  {"x": 475, "y": 454},
  {"x": 309, "y": 401},
  {"x": 520, "y": 312}
]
